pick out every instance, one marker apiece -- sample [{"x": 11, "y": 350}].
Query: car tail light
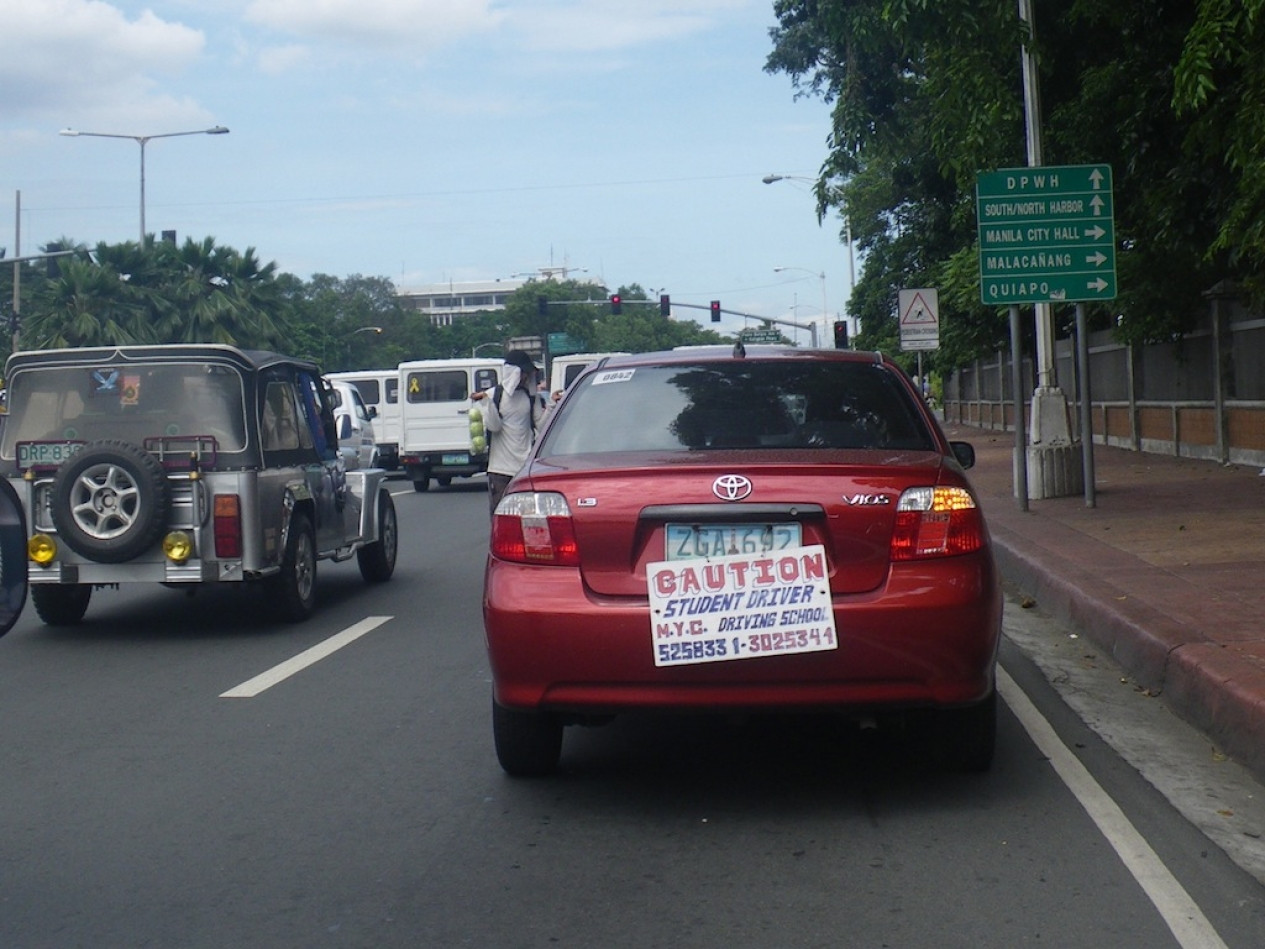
[
  {"x": 228, "y": 526},
  {"x": 936, "y": 522},
  {"x": 534, "y": 528}
]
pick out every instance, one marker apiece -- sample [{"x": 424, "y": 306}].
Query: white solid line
[
  {"x": 1184, "y": 917},
  {"x": 266, "y": 680}
]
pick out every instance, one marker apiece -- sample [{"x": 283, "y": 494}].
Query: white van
[
  {"x": 380, "y": 388},
  {"x": 435, "y": 405},
  {"x": 564, "y": 369},
  {"x": 356, "y": 438}
]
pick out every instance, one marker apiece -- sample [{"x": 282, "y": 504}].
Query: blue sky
[{"x": 429, "y": 140}]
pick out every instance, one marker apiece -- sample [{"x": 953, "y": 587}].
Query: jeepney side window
[{"x": 279, "y": 425}]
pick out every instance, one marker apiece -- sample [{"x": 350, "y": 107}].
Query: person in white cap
[{"x": 512, "y": 411}]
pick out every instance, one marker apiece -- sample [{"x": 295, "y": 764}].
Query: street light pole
[
  {"x": 825, "y": 314},
  {"x": 847, "y": 232},
  {"x": 142, "y": 141}
]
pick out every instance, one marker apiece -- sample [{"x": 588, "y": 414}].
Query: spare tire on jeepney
[{"x": 109, "y": 501}]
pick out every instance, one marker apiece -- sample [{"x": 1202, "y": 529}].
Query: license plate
[
  {"x": 692, "y": 541},
  {"x": 459, "y": 458},
  {"x": 45, "y": 454}
]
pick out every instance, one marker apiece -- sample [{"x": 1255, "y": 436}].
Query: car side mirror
[
  {"x": 964, "y": 452},
  {"x": 373, "y": 411}
]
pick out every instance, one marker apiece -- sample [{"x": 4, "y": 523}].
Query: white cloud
[
  {"x": 605, "y": 25},
  {"x": 57, "y": 55},
  {"x": 417, "y": 26},
  {"x": 279, "y": 59}
]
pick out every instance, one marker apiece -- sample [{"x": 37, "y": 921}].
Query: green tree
[
  {"x": 1220, "y": 85},
  {"x": 335, "y": 316},
  {"x": 926, "y": 95}
]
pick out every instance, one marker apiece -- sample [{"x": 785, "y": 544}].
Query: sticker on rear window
[{"x": 614, "y": 375}]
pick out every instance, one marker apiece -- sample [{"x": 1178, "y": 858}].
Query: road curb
[{"x": 1216, "y": 688}]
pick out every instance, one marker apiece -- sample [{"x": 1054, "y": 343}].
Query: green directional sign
[
  {"x": 764, "y": 335},
  {"x": 1046, "y": 234},
  {"x": 561, "y": 344}
]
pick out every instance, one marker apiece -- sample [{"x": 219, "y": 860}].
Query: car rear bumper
[{"x": 927, "y": 637}]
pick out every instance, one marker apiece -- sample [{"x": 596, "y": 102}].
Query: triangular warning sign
[{"x": 918, "y": 313}]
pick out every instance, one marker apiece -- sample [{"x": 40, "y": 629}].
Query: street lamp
[
  {"x": 825, "y": 314},
  {"x": 142, "y": 140},
  {"x": 847, "y": 227}
]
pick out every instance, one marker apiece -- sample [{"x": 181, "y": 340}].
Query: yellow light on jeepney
[
  {"x": 178, "y": 546},
  {"x": 41, "y": 549}
]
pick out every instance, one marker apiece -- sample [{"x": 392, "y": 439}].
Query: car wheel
[
  {"x": 293, "y": 590},
  {"x": 528, "y": 743},
  {"x": 444, "y": 481},
  {"x": 109, "y": 501},
  {"x": 61, "y": 604},
  {"x": 969, "y": 736},
  {"x": 377, "y": 560}
]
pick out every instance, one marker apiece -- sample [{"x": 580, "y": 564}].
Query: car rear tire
[
  {"x": 968, "y": 736},
  {"x": 61, "y": 604},
  {"x": 528, "y": 743},
  {"x": 377, "y": 560},
  {"x": 293, "y": 590},
  {"x": 109, "y": 501}
]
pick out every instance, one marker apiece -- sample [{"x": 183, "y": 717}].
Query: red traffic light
[
  {"x": 665, "y": 305},
  {"x": 715, "y": 311},
  {"x": 617, "y": 304},
  {"x": 841, "y": 334}
]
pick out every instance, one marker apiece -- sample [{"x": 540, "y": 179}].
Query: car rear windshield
[
  {"x": 131, "y": 403},
  {"x": 783, "y": 404}
]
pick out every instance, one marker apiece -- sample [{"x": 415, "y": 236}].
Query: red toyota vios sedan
[{"x": 741, "y": 529}]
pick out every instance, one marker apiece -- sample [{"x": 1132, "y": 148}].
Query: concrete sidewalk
[{"x": 1166, "y": 572}]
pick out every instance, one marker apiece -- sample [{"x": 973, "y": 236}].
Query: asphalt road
[{"x": 181, "y": 772}]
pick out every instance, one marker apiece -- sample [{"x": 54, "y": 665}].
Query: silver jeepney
[{"x": 184, "y": 464}]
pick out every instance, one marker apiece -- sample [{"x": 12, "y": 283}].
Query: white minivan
[
  {"x": 435, "y": 437},
  {"x": 564, "y": 369},
  {"x": 357, "y": 441},
  {"x": 380, "y": 388}
]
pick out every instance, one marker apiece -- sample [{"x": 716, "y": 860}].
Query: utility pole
[{"x": 1052, "y": 459}]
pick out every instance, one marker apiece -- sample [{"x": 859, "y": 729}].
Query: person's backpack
[{"x": 496, "y": 400}]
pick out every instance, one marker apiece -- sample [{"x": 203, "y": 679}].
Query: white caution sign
[{"x": 919, "y": 319}]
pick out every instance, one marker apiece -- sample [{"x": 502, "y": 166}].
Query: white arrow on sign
[
  {"x": 1100, "y": 285},
  {"x": 1096, "y": 203},
  {"x": 1098, "y": 258},
  {"x": 1096, "y": 232},
  {"x": 1096, "y": 177}
]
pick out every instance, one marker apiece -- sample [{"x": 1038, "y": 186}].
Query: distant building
[{"x": 442, "y": 302}]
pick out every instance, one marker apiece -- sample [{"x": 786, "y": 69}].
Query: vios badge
[{"x": 731, "y": 487}]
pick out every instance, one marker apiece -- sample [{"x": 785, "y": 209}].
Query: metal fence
[{"x": 1200, "y": 397}]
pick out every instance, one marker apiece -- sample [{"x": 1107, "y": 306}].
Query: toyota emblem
[{"x": 731, "y": 487}]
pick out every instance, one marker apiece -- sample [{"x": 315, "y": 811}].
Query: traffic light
[
  {"x": 715, "y": 311},
  {"x": 542, "y": 305},
  {"x": 665, "y": 305},
  {"x": 52, "y": 264},
  {"x": 841, "y": 334},
  {"x": 617, "y": 304}
]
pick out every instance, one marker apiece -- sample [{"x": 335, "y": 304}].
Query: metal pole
[
  {"x": 142, "y": 141},
  {"x": 1032, "y": 113},
  {"x": 1016, "y": 385},
  {"x": 17, "y": 272},
  {"x": 1087, "y": 408}
]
